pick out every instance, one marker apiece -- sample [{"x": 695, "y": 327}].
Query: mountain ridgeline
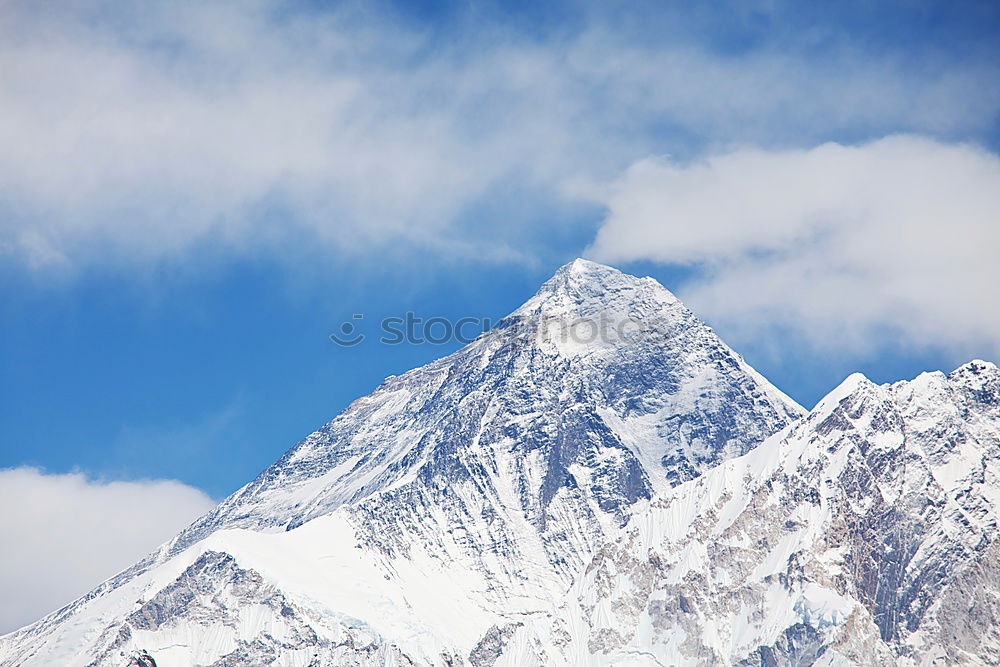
[{"x": 599, "y": 480}]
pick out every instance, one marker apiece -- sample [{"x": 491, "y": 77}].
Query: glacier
[{"x": 538, "y": 499}]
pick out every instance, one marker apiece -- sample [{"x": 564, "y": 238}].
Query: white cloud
[
  {"x": 835, "y": 243},
  {"x": 64, "y": 534},
  {"x": 138, "y": 131}
]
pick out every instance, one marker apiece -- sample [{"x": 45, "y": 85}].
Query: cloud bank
[
  {"x": 844, "y": 245},
  {"x": 133, "y": 133},
  {"x": 64, "y": 534}
]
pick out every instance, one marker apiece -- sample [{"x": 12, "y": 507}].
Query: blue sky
[{"x": 192, "y": 199}]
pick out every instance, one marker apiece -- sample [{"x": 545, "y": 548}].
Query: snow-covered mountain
[
  {"x": 864, "y": 534},
  {"x": 598, "y": 480}
]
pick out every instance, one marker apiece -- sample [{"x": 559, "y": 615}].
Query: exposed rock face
[{"x": 549, "y": 496}]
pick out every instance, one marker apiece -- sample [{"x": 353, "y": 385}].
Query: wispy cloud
[
  {"x": 848, "y": 246},
  {"x": 64, "y": 534},
  {"x": 133, "y": 133}
]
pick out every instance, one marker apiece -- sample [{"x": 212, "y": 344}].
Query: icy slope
[
  {"x": 864, "y": 534},
  {"x": 455, "y": 504}
]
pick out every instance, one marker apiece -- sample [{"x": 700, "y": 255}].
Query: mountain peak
[
  {"x": 977, "y": 374},
  {"x": 583, "y": 288},
  {"x": 852, "y": 384},
  {"x": 975, "y": 367},
  {"x": 580, "y": 265},
  {"x": 584, "y": 270}
]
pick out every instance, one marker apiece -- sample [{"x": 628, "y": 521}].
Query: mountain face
[
  {"x": 864, "y": 534},
  {"x": 598, "y": 480}
]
